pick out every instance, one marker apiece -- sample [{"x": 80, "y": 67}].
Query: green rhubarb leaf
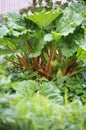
[
  {"x": 43, "y": 19},
  {"x": 72, "y": 42},
  {"x": 68, "y": 46},
  {"x": 15, "y": 25},
  {"x": 69, "y": 50},
  {"x": 71, "y": 18},
  {"x": 38, "y": 48},
  {"x": 15, "y": 21},
  {"x": 30, "y": 88}
]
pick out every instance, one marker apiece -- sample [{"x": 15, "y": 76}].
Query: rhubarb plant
[{"x": 46, "y": 42}]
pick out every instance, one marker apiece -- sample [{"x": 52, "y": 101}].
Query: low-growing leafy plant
[{"x": 36, "y": 113}]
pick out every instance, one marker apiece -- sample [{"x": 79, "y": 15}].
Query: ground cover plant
[{"x": 42, "y": 69}]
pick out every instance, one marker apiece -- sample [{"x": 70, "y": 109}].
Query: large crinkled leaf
[
  {"x": 43, "y": 19},
  {"x": 15, "y": 25},
  {"x": 12, "y": 16},
  {"x": 68, "y": 49},
  {"x": 28, "y": 89},
  {"x": 72, "y": 42},
  {"x": 38, "y": 48},
  {"x": 5, "y": 30},
  {"x": 68, "y": 46},
  {"x": 71, "y": 18},
  {"x": 15, "y": 21}
]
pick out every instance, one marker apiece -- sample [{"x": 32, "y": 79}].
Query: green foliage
[
  {"x": 42, "y": 87},
  {"x": 76, "y": 88}
]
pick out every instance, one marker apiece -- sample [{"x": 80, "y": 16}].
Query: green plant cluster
[{"x": 42, "y": 61}]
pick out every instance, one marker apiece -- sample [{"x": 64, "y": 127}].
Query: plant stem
[{"x": 48, "y": 68}]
